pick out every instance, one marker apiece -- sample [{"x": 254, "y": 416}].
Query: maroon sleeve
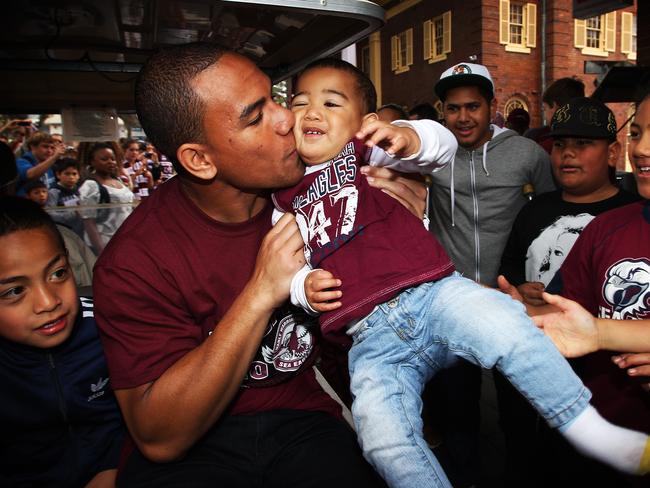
[
  {"x": 143, "y": 326},
  {"x": 576, "y": 278}
]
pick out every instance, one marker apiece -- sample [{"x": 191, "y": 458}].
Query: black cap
[{"x": 584, "y": 117}]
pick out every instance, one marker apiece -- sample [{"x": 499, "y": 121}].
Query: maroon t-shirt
[
  {"x": 608, "y": 272},
  {"x": 166, "y": 279},
  {"x": 363, "y": 236}
]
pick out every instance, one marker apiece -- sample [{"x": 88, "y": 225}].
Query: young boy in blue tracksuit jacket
[{"x": 60, "y": 422}]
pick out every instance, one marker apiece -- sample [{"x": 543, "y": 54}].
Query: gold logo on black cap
[
  {"x": 611, "y": 123},
  {"x": 562, "y": 115}
]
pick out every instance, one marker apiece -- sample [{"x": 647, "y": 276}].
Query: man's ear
[
  {"x": 197, "y": 161},
  {"x": 613, "y": 152},
  {"x": 493, "y": 108}
]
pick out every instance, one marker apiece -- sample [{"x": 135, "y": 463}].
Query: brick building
[{"x": 524, "y": 46}]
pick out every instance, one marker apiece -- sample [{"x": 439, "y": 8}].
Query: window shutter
[
  {"x": 610, "y": 32},
  {"x": 446, "y": 32},
  {"x": 531, "y": 25},
  {"x": 504, "y": 21},
  {"x": 394, "y": 53},
  {"x": 428, "y": 38},
  {"x": 627, "y": 21},
  {"x": 409, "y": 47},
  {"x": 580, "y": 34}
]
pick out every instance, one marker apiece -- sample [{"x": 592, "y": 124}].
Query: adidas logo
[{"x": 97, "y": 389}]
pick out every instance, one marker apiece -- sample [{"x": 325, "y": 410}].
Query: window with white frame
[
  {"x": 437, "y": 37},
  {"x": 594, "y": 32},
  {"x": 628, "y": 34},
  {"x": 512, "y": 104},
  {"x": 517, "y": 25},
  {"x": 402, "y": 51},
  {"x": 596, "y": 36}
]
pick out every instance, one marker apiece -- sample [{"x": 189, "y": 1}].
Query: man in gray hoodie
[{"x": 474, "y": 202}]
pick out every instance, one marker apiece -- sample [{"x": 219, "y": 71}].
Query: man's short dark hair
[
  {"x": 17, "y": 213},
  {"x": 424, "y": 111},
  {"x": 562, "y": 90},
  {"x": 170, "y": 111},
  {"x": 403, "y": 115},
  {"x": 65, "y": 163},
  {"x": 365, "y": 88}
]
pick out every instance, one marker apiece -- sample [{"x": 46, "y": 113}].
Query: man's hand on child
[
  {"x": 409, "y": 189},
  {"x": 397, "y": 141},
  {"x": 319, "y": 291}
]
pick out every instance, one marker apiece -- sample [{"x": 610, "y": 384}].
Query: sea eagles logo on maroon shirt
[
  {"x": 287, "y": 348},
  {"x": 627, "y": 289}
]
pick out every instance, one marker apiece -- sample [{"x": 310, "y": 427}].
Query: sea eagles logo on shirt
[
  {"x": 97, "y": 389},
  {"x": 627, "y": 289},
  {"x": 286, "y": 348},
  {"x": 292, "y": 345}
]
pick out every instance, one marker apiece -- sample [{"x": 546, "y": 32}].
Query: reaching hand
[
  {"x": 573, "y": 329},
  {"x": 638, "y": 364},
  {"x": 319, "y": 291},
  {"x": 395, "y": 140},
  {"x": 531, "y": 292}
]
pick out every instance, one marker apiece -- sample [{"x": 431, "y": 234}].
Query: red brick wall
[
  {"x": 514, "y": 74},
  {"x": 416, "y": 85},
  {"x": 475, "y": 31}
]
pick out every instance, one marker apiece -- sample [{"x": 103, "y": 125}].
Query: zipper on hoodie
[
  {"x": 477, "y": 240},
  {"x": 59, "y": 391}
]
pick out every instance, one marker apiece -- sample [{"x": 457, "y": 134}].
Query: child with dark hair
[
  {"x": 423, "y": 111},
  {"x": 555, "y": 96},
  {"x": 388, "y": 285},
  {"x": 60, "y": 422},
  {"x": 36, "y": 191},
  {"x": 65, "y": 193}
]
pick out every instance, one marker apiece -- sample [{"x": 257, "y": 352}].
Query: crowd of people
[
  {"x": 63, "y": 177},
  {"x": 310, "y": 236}
]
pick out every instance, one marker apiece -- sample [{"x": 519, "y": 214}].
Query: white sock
[{"x": 616, "y": 446}]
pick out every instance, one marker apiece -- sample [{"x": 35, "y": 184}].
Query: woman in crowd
[{"x": 103, "y": 186}]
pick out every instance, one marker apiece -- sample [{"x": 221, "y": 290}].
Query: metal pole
[{"x": 543, "y": 63}]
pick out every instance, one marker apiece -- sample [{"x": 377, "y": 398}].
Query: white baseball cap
[{"x": 464, "y": 74}]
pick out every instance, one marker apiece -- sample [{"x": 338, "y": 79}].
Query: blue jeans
[{"x": 405, "y": 341}]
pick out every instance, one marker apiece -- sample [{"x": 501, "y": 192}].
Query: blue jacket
[
  {"x": 25, "y": 163},
  {"x": 59, "y": 419}
]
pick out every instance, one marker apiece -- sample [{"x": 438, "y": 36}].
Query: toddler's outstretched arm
[{"x": 413, "y": 146}]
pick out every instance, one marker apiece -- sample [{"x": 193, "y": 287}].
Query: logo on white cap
[{"x": 461, "y": 69}]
